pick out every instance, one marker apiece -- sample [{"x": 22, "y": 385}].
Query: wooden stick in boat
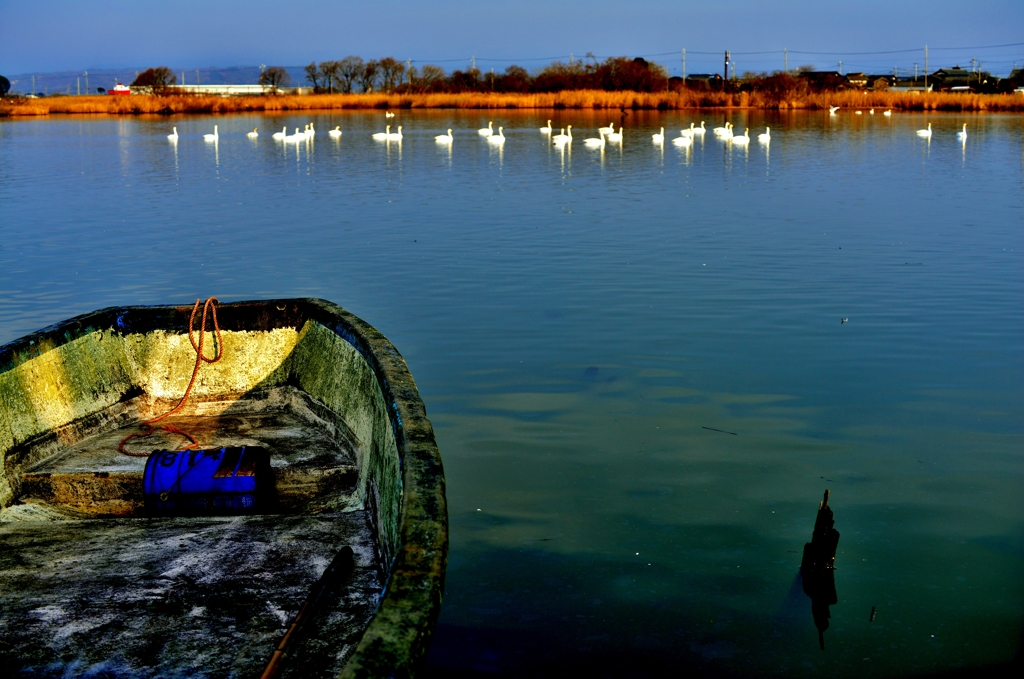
[{"x": 339, "y": 570}]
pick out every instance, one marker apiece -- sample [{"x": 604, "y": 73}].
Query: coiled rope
[{"x": 147, "y": 426}]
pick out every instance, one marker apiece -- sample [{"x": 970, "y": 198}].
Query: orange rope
[{"x": 147, "y": 426}]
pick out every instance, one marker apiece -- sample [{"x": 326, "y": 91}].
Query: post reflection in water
[{"x": 817, "y": 568}]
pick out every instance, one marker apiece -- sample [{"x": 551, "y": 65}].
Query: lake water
[{"x": 634, "y": 360}]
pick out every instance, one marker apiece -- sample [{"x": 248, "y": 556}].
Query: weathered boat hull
[{"x": 90, "y": 376}]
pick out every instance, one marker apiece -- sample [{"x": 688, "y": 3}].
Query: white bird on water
[
  {"x": 310, "y": 131},
  {"x": 832, "y": 109},
  {"x": 962, "y": 134},
  {"x": 683, "y": 140},
  {"x": 336, "y": 132},
  {"x": 389, "y": 114},
  {"x": 382, "y": 136},
  {"x": 766, "y": 136},
  {"x": 445, "y": 138},
  {"x": 173, "y": 136},
  {"x": 925, "y": 133},
  {"x": 212, "y": 137},
  {"x": 548, "y": 129},
  {"x": 607, "y": 130},
  {"x": 254, "y": 134},
  {"x": 659, "y": 137},
  {"x": 887, "y": 112},
  {"x": 723, "y": 132},
  {"x": 295, "y": 138},
  {"x": 563, "y": 139},
  {"x": 595, "y": 143},
  {"x": 499, "y": 138},
  {"x": 699, "y": 131},
  {"x": 741, "y": 139},
  {"x": 615, "y": 137},
  {"x": 487, "y": 131},
  {"x": 280, "y": 135},
  {"x": 396, "y": 136}
]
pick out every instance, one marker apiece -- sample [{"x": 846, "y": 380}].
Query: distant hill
[{"x": 69, "y": 81}]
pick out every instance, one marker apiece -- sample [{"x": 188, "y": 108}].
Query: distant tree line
[{"x": 353, "y": 74}]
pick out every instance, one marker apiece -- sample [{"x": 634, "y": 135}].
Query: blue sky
[{"x": 53, "y": 35}]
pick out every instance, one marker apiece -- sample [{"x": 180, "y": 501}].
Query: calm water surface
[{"x": 582, "y": 324}]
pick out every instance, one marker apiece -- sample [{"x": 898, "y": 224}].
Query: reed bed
[{"x": 570, "y": 99}]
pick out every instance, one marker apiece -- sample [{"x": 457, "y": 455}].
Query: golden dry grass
[{"x": 573, "y": 99}]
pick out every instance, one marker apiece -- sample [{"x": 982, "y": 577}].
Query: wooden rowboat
[{"x": 93, "y": 582}]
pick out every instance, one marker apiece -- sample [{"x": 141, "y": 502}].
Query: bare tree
[
  {"x": 155, "y": 80},
  {"x": 391, "y": 71},
  {"x": 275, "y": 77},
  {"x": 330, "y": 70},
  {"x": 349, "y": 70},
  {"x": 368, "y": 76},
  {"x": 431, "y": 76},
  {"x": 314, "y": 75}
]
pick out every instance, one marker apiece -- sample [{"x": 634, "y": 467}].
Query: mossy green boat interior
[{"x": 92, "y": 583}]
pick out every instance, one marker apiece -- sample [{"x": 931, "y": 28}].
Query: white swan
[
  {"x": 607, "y": 130},
  {"x": 925, "y": 133},
  {"x": 741, "y": 139},
  {"x": 310, "y": 132},
  {"x": 860, "y": 113},
  {"x": 497, "y": 138},
  {"x": 659, "y": 138},
  {"x": 871, "y": 112},
  {"x": 962, "y": 135},
  {"x": 280, "y": 135},
  {"x": 887, "y": 113},
  {"x": 336, "y": 132},
  {"x": 255, "y": 133},
  {"x": 396, "y": 136},
  {"x": 699, "y": 131},
  {"x": 548, "y": 129},
  {"x": 445, "y": 138},
  {"x": 295, "y": 138},
  {"x": 596, "y": 143},
  {"x": 389, "y": 114},
  {"x": 487, "y": 131},
  {"x": 832, "y": 110},
  {"x": 688, "y": 131},
  {"x": 615, "y": 137},
  {"x": 682, "y": 140},
  {"x": 212, "y": 137},
  {"x": 725, "y": 131},
  {"x": 563, "y": 139},
  {"x": 382, "y": 136},
  {"x": 766, "y": 136},
  {"x": 173, "y": 136}
]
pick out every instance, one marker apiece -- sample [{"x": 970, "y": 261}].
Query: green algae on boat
[{"x": 356, "y": 463}]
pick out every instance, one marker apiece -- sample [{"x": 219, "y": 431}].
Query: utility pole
[
  {"x": 87, "y": 82},
  {"x": 840, "y": 67},
  {"x": 408, "y": 70},
  {"x": 33, "y": 84},
  {"x": 684, "y": 67},
  {"x": 785, "y": 60},
  {"x": 197, "y": 76},
  {"x": 915, "y": 72},
  {"x": 472, "y": 61},
  {"x": 727, "y": 65},
  {"x": 78, "y": 82},
  {"x": 926, "y": 67},
  {"x": 183, "y": 78}
]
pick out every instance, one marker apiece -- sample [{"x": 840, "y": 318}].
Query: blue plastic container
[{"x": 218, "y": 481}]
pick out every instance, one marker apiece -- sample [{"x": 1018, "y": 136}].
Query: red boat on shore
[{"x": 119, "y": 89}]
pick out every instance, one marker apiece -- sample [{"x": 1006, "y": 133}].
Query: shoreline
[{"x": 140, "y": 104}]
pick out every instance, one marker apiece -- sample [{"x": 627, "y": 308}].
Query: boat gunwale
[{"x": 399, "y": 634}]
